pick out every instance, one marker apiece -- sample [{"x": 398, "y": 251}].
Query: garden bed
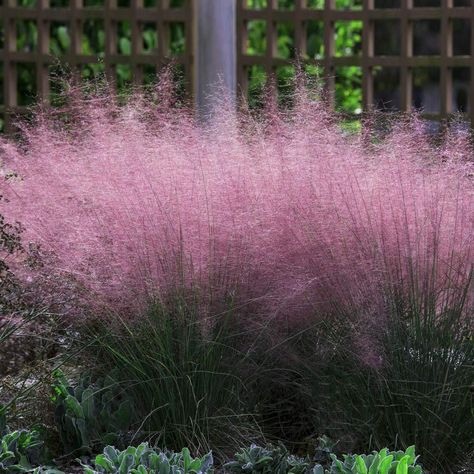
[{"x": 267, "y": 280}]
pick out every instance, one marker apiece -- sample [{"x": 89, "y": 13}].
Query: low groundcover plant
[
  {"x": 382, "y": 462},
  {"x": 146, "y": 460},
  {"x": 90, "y": 413},
  {"x": 22, "y": 450},
  {"x": 267, "y": 460}
]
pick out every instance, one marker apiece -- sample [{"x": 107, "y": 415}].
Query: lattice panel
[
  {"x": 128, "y": 40},
  {"x": 421, "y": 49}
]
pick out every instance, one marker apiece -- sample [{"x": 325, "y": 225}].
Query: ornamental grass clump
[
  {"x": 186, "y": 377},
  {"x": 296, "y": 222},
  {"x": 134, "y": 200}
]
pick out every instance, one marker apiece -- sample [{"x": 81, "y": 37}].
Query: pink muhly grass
[{"x": 283, "y": 209}]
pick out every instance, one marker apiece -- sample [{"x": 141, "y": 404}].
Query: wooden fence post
[{"x": 215, "y": 54}]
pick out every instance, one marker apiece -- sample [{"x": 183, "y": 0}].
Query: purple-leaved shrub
[{"x": 283, "y": 209}]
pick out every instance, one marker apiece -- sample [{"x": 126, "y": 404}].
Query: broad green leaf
[
  {"x": 411, "y": 453},
  {"x": 383, "y": 453},
  {"x": 111, "y": 453},
  {"x": 88, "y": 404},
  {"x": 74, "y": 407},
  {"x": 102, "y": 461},
  {"x": 374, "y": 466},
  {"x": 385, "y": 464},
  {"x": 207, "y": 462},
  {"x": 360, "y": 465},
  {"x": 125, "y": 46},
  {"x": 263, "y": 460},
  {"x": 63, "y": 37},
  {"x": 402, "y": 467},
  {"x": 186, "y": 458},
  {"x": 126, "y": 464}
]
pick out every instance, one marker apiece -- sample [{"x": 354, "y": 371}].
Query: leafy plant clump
[
  {"x": 145, "y": 460},
  {"x": 382, "y": 462},
  {"x": 90, "y": 414},
  {"x": 267, "y": 460},
  {"x": 21, "y": 450}
]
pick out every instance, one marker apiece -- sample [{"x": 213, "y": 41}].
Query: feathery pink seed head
[{"x": 285, "y": 209}]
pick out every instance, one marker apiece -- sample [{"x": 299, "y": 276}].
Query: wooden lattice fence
[
  {"x": 127, "y": 40},
  {"x": 380, "y": 22},
  {"x": 396, "y": 54}
]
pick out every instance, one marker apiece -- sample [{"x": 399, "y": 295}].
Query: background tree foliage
[{"x": 348, "y": 42}]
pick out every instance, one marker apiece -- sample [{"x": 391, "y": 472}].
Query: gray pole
[{"x": 215, "y": 54}]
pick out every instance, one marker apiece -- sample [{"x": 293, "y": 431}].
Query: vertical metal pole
[
  {"x": 215, "y": 54},
  {"x": 406, "y": 72}
]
